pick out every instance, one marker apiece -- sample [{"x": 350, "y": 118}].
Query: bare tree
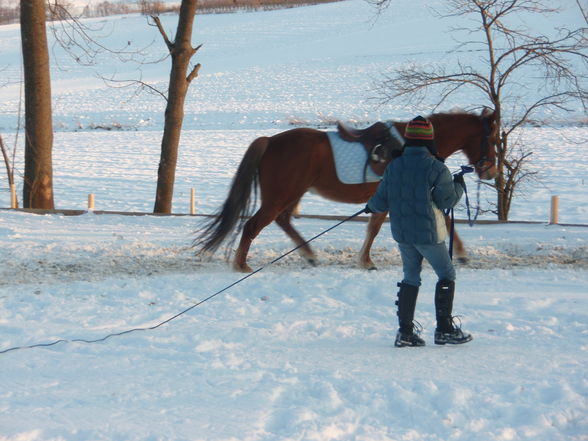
[
  {"x": 77, "y": 39},
  {"x": 511, "y": 54},
  {"x": 9, "y": 163},
  {"x": 38, "y": 176},
  {"x": 181, "y": 52}
]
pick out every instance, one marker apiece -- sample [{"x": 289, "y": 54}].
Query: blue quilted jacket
[{"x": 414, "y": 189}]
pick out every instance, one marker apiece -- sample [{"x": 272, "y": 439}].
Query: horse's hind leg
[
  {"x": 459, "y": 249},
  {"x": 251, "y": 229},
  {"x": 373, "y": 228},
  {"x": 283, "y": 220}
]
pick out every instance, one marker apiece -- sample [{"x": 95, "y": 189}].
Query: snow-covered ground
[{"x": 292, "y": 352}]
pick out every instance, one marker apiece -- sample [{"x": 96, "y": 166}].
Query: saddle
[{"x": 381, "y": 141}]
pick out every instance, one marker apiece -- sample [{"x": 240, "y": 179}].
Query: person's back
[{"x": 418, "y": 188}]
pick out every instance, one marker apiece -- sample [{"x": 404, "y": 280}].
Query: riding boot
[
  {"x": 407, "y": 297},
  {"x": 447, "y": 332}
]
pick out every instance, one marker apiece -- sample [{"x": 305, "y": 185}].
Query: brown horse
[{"x": 288, "y": 164}]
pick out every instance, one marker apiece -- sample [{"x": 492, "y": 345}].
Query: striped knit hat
[{"x": 419, "y": 128}]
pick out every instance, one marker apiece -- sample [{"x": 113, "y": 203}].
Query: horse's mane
[
  {"x": 454, "y": 116},
  {"x": 461, "y": 113}
]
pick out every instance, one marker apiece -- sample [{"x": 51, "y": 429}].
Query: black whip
[{"x": 149, "y": 328}]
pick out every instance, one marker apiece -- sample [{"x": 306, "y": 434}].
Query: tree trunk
[
  {"x": 502, "y": 197},
  {"x": 181, "y": 52},
  {"x": 38, "y": 175}
]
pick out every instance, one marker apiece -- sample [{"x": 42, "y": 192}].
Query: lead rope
[
  {"x": 150, "y": 328},
  {"x": 449, "y": 212}
]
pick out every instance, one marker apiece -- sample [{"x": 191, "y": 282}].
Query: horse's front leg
[
  {"x": 458, "y": 248},
  {"x": 372, "y": 230}
]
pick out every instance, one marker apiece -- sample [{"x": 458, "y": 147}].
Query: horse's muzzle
[{"x": 486, "y": 170}]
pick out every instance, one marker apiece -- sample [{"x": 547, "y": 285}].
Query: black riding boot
[
  {"x": 447, "y": 332},
  {"x": 407, "y": 297}
]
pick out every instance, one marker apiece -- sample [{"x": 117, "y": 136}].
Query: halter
[{"x": 484, "y": 146}]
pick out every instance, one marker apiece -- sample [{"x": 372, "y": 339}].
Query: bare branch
[
  {"x": 380, "y": 5},
  {"x": 168, "y": 42},
  {"x": 583, "y": 10},
  {"x": 121, "y": 84},
  {"x": 194, "y": 73},
  {"x": 196, "y": 49},
  {"x": 81, "y": 41},
  {"x": 411, "y": 82}
]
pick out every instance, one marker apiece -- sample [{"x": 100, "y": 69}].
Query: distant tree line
[
  {"x": 9, "y": 12},
  {"x": 10, "y": 9},
  {"x": 221, "y": 6}
]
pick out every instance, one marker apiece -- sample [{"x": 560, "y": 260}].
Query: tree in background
[
  {"x": 74, "y": 37},
  {"x": 38, "y": 175},
  {"x": 181, "y": 52},
  {"x": 9, "y": 163},
  {"x": 510, "y": 54}
]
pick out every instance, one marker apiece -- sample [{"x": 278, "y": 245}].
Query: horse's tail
[{"x": 238, "y": 204}]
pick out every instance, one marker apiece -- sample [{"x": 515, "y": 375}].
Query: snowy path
[{"x": 292, "y": 353}]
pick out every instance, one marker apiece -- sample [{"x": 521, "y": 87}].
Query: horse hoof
[
  {"x": 242, "y": 268},
  {"x": 463, "y": 259},
  {"x": 370, "y": 266},
  {"x": 312, "y": 262}
]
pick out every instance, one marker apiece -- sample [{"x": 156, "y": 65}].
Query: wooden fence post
[
  {"x": 91, "y": 202},
  {"x": 554, "y": 216},
  {"x": 296, "y": 210},
  {"x": 13, "y": 203},
  {"x": 192, "y": 201}
]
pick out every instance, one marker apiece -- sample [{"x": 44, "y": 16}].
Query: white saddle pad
[{"x": 350, "y": 159}]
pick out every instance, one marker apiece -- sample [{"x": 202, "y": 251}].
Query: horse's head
[
  {"x": 473, "y": 134},
  {"x": 484, "y": 159}
]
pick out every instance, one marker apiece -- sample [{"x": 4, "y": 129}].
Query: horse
[{"x": 288, "y": 164}]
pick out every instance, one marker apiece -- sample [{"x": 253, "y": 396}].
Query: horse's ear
[{"x": 487, "y": 113}]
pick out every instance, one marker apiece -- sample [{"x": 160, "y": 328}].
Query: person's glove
[
  {"x": 458, "y": 179},
  {"x": 367, "y": 210}
]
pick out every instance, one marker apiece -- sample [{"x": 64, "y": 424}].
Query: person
[{"x": 415, "y": 188}]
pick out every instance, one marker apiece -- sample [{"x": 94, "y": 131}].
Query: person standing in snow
[{"x": 415, "y": 188}]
